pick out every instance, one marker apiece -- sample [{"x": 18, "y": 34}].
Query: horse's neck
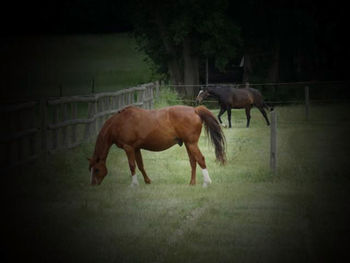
[
  {"x": 103, "y": 144},
  {"x": 215, "y": 94}
]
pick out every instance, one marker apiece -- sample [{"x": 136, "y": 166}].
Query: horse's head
[
  {"x": 203, "y": 94},
  {"x": 98, "y": 170}
]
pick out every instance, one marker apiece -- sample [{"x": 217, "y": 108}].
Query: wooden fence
[{"x": 36, "y": 128}]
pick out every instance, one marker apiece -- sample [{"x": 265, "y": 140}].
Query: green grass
[
  {"x": 246, "y": 215},
  {"x": 39, "y": 66}
]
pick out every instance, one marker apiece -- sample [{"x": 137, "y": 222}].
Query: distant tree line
[{"x": 279, "y": 40}]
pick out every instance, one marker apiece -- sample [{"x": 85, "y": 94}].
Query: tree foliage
[
  {"x": 305, "y": 38},
  {"x": 177, "y": 35},
  {"x": 280, "y": 40}
]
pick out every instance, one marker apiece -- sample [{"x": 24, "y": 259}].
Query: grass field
[
  {"x": 39, "y": 65},
  {"x": 246, "y": 215}
]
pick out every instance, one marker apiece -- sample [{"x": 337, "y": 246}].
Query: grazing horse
[
  {"x": 234, "y": 98},
  {"x": 133, "y": 129}
]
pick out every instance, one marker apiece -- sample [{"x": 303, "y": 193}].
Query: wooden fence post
[
  {"x": 273, "y": 142},
  {"x": 19, "y": 143},
  {"x": 74, "y": 114},
  {"x": 157, "y": 89},
  {"x": 99, "y": 110},
  {"x": 55, "y": 132},
  {"x": 64, "y": 107},
  {"x": 93, "y": 86},
  {"x": 31, "y": 121},
  {"x": 307, "y": 102},
  {"x": 43, "y": 126},
  {"x": 89, "y": 126},
  {"x": 151, "y": 103},
  {"x": 206, "y": 72}
]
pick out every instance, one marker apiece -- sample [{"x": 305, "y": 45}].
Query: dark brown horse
[
  {"x": 234, "y": 98},
  {"x": 133, "y": 129}
]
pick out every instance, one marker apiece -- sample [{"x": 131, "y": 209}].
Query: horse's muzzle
[{"x": 95, "y": 180}]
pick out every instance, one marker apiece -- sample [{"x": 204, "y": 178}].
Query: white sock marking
[
  {"x": 134, "y": 181},
  {"x": 206, "y": 178}
]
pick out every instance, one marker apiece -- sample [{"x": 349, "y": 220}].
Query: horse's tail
[{"x": 214, "y": 132}]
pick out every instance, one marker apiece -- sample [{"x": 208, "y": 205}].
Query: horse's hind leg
[
  {"x": 247, "y": 113},
  {"x": 263, "y": 112},
  {"x": 140, "y": 166},
  {"x": 199, "y": 158},
  {"x": 222, "y": 111},
  {"x": 193, "y": 166}
]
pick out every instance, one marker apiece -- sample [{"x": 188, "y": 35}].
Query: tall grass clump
[{"x": 167, "y": 97}]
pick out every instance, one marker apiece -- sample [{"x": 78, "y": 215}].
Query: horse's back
[
  {"x": 241, "y": 97},
  {"x": 135, "y": 114},
  {"x": 156, "y": 129}
]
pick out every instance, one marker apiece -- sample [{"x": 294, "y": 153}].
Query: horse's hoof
[
  {"x": 206, "y": 183},
  {"x": 134, "y": 184}
]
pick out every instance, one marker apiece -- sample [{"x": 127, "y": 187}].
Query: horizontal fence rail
[
  {"x": 277, "y": 93},
  {"x": 280, "y": 92},
  {"x": 37, "y": 128},
  {"x": 34, "y": 129}
]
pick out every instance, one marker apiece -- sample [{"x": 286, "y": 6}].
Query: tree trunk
[
  {"x": 175, "y": 72},
  {"x": 273, "y": 75},
  {"x": 174, "y": 68},
  {"x": 247, "y": 68},
  {"x": 191, "y": 69}
]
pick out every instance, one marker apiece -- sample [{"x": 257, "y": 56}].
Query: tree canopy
[
  {"x": 179, "y": 35},
  {"x": 280, "y": 40}
]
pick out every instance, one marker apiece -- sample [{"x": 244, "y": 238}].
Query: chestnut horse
[
  {"x": 233, "y": 98},
  {"x": 133, "y": 129}
]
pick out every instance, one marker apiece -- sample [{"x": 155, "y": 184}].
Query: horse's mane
[{"x": 218, "y": 91}]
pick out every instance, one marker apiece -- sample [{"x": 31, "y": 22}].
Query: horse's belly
[{"x": 158, "y": 144}]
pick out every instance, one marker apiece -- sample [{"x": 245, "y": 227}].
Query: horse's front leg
[
  {"x": 130, "y": 153},
  {"x": 140, "y": 166},
  {"x": 247, "y": 113}
]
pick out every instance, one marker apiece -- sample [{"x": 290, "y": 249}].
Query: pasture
[
  {"x": 44, "y": 66},
  {"x": 246, "y": 215}
]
